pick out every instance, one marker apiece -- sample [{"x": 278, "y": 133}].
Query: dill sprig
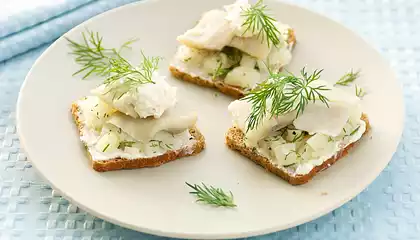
[
  {"x": 286, "y": 92},
  {"x": 348, "y": 78},
  {"x": 360, "y": 92},
  {"x": 128, "y": 76},
  {"x": 96, "y": 59},
  {"x": 93, "y": 57},
  {"x": 212, "y": 195},
  {"x": 258, "y": 21}
]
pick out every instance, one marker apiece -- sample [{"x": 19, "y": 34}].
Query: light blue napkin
[
  {"x": 21, "y": 14},
  {"x": 37, "y": 25}
]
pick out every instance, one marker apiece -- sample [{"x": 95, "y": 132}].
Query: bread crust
[
  {"x": 235, "y": 141},
  {"x": 236, "y": 92},
  {"x": 122, "y": 163},
  {"x": 233, "y": 91}
]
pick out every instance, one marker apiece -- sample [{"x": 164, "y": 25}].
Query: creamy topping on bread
[
  {"x": 145, "y": 100},
  {"x": 120, "y": 136},
  {"x": 301, "y": 142},
  {"x": 206, "y": 49}
]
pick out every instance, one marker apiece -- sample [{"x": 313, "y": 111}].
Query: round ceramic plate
[{"x": 156, "y": 200}]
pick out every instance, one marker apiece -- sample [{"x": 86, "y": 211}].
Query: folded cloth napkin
[
  {"x": 27, "y": 24},
  {"x": 20, "y": 14}
]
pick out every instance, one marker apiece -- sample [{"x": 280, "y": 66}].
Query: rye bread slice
[
  {"x": 219, "y": 84},
  {"x": 122, "y": 163},
  {"x": 235, "y": 141}
]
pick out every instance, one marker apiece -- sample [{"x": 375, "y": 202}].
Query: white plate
[{"x": 156, "y": 200}]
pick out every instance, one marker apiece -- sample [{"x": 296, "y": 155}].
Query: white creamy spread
[
  {"x": 299, "y": 144},
  {"x": 315, "y": 157},
  {"x": 109, "y": 141},
  {"x": 150, "y": 99},
  {"x": 306, "y": 166},
  {"x": 221, "y": 28},
  {"x": 145, "y": 129}
]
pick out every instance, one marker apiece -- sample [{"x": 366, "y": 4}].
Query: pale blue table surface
[{"x": 388, "y": 209}]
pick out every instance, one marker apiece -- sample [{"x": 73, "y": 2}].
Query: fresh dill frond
[
  {"x": 286, "y": 92},
  {"x": 127, "y": 45},
  {"x": 211, "y": 195},
  {"x": 93, "y": 57},
  {"x": 360, "y": 92},
  {"x": 128, "y": 76},
  {"x": 260, "y": 22},
  {"x": 348, "y": 78}
]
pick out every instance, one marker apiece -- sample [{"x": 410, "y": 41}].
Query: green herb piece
[
  {"x": 107, "y": 62},
  {"x": 92, "y": 55},
  {"x": 360, "y": 92},
  {"x": 161, "y": 144},
  {"x": 234, "y": 55},
  {"x": 128, "y": 76},
  {"x": 220, "y": 72},
  {"x": 187, "y": 59},
  {"x": 105, "y": 148},
  {"x": 298, "y": 155},
  {"x": 124, "y": 144},
  {"x": 258, "y": 21},
  {"x": 354, "y": 131},
  {"x": 282, "y": 132},
  {"x": 276, "y": 137},
  {"x": 348, "y": 78},
  {"x": 287, "y": 92},
  {"x": 211, "y": 195},
  {"x": 298, "y": 137}
]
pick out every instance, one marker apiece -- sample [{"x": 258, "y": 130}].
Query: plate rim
[{"x": 338, "y": 203}]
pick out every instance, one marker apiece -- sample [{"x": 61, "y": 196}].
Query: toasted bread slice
[
  {"x": 234, "y": 91},
  {"x": 235, "y": 141},
  {"x": 122, "y": 163}
]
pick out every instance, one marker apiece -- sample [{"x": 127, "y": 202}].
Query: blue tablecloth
[{"x": 388, "y": 209}]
